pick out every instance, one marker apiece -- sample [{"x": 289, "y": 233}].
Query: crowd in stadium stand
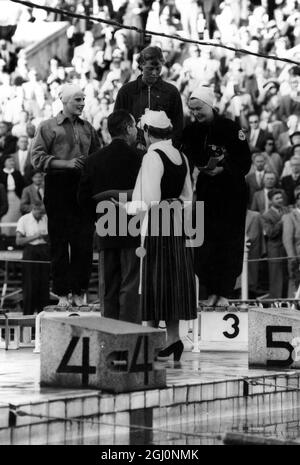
[{"x": 263, "y": 95}]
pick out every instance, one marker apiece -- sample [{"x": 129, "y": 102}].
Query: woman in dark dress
[{"x": 167, "y": 278}]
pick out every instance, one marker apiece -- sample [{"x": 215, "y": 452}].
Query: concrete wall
[{"x": 42, "y": 40}]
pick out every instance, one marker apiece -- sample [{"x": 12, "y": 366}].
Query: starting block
[
  {"x": 89, "y": 351},
  {"x": 274, "y": 337},
  {"x": 16, "y": 330},
  {"x": 224, "y": 328},
  {"x": 51, "y": 310}
]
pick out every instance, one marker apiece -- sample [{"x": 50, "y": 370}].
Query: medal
[{"x": 242, "y": 135}]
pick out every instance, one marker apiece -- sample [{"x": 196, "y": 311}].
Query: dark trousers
[
  {"x": 35, "y": 278},
  {"x": 253, "y": 267},
  {"x": 70, "y": 233},
  {"x": 121, "y": 276},
  {"x": 277, "y": 271},
  {"x": 218, "y": 263}
]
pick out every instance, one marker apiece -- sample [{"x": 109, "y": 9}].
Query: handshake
[{"x": 75, "y": 163}]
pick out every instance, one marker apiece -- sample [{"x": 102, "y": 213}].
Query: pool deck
[{"x": 20, "y": 375}]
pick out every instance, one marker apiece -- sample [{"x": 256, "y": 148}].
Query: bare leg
[
  {"x": 63, "y": 301},
  {"x": 172, "y": 331},
  {"x": 210, "y": 301},
  {"x": 174, "y": 344},
  {"x": 78, "y": 300},
  {"x": 222, "y": 302}
]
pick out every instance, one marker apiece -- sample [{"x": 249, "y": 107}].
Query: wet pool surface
[{"x": 208, "y": 396}]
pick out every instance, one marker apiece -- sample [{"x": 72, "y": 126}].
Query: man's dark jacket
[
  {"x": 3, "y": 201},
  {"x": 10, "y": 146},
  {"x": 114, "y": 167},
  {"x": 135, "y": 96},
  {"x": 288, "y": 184},
  {"x": 19, "y": 181}
]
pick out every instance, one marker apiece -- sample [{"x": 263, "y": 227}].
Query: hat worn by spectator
[
  {"x": 68, "y": 90},
  {"x": 271, "y": 84},
  {"x": 156, "y": 119},
  {"x": 296, "y": 133},
  {"x": 205, "y": 94}
]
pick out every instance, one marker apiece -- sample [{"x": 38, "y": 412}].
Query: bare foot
[
  {"x": 210, "y": 301},
  {"x": 63, "y": 301},
  {"x": 78, "y": 300},
  {"x": 222, "y": 302}
]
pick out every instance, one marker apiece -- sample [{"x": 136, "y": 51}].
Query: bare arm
[{"x": 23, "y": 240}]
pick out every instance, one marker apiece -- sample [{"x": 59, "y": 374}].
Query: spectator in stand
[
  {"x": 287, "y": 166},
  {"x": 289, "y": 152},
  {"x": 32, "y": 233},
  {"x": 254, "y": 242},
  {"x": 291, "y": 242},
  {"x": 84, "y": 55},
  {"x": 34, "y": 93},
  {"x": 9, "y": 58},
  {"x": 189, "y": 12},
  {"x": 260, "y": 201},
  {"x": 3, "y": 201},
  {"x": 290, "y": 182},
  {"x": 103, "y": 133},
  {"x": 149, "y": 91},
  {"x": 257, "y": 137},
  {"x": 254, "y": 180},
  {"x": 273, "y": 227},
  {"x": 33, "y": 193},
  {"x": 273, "y": 159},
  {"x": 210, "y": 11},
  {"x": 284, "y": 141},
  {"x": 22, "y": 159},
  {"x": 14, "y": 184},
  {"x": 8, "y": 143},
  {"x": 290, "y": 103},
  {"x": 20, "y": 128},
  {"x": 103, "y": 111}
]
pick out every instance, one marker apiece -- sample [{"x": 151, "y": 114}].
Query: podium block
[
  {"x": 223, "y": 328},
  {"x": 89, "y": 351},
  {"x": 274, "y": 337}
]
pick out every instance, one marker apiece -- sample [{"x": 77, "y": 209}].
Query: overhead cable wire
[{"x": 118, "y": 25}]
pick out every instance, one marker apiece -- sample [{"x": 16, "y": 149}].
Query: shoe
[{"x": 176, "y": 348}]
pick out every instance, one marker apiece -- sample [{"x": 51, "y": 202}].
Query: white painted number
[{"x": 296, "y": 351}]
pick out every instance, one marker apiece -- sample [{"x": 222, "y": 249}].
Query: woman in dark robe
[{"x": 218, "y": 152}]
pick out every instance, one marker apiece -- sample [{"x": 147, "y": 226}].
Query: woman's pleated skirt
[{"x": 168, "y": 279}]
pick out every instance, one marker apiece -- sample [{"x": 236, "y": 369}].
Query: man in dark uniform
[
  {"x": 150, "y": 91},
  {"x": 111, "y": 170},
  {"x": 218, "y": 151}
]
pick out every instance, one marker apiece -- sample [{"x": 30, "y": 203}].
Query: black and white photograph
[{"x": 149, "y": 227}]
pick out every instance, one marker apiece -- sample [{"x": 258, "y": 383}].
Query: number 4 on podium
[{"x": 85, "y": 368}]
